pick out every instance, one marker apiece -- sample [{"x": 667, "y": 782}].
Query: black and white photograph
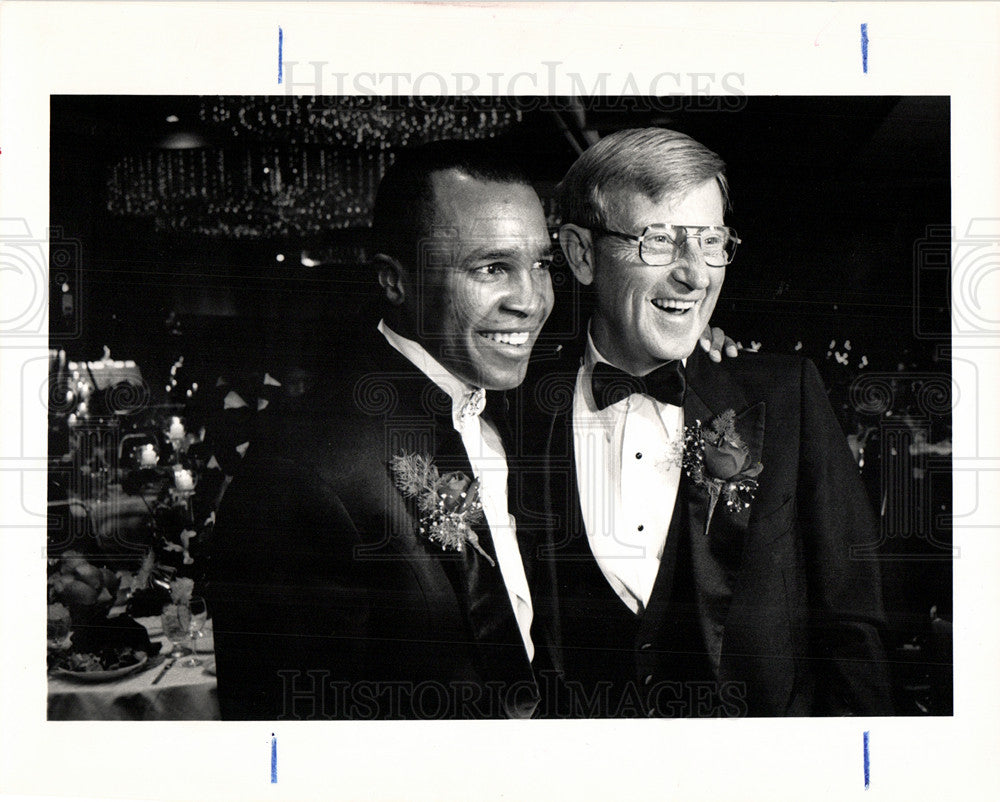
[
  {"x": 255, "y": 481},
  {"x": 375, "y": 418}
]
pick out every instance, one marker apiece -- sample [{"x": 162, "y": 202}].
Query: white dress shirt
[
  {"x": 628, "y": 467},
  {"x": 486, "y": 454}
]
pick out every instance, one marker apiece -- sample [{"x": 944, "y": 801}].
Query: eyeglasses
[{"x": 660, "y": 244}]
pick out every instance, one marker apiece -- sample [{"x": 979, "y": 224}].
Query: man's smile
[
  {"x": 515, "y": 338},
  {"x": 673, "y": 306}
]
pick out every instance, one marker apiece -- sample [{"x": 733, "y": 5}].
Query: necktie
[{"x": 666, "y": 384}]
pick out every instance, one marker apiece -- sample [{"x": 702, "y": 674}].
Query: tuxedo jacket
[
  {"x": 767, "y": 612},
  {"x": 327, "y": 600}
]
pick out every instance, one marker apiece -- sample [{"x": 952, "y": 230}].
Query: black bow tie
[{"x": 666, "y": 384}]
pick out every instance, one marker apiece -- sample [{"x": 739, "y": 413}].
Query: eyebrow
[{"x": 510, "y": 253}]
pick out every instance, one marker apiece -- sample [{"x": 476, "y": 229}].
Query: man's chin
[
  {"x": 502, "y": 383},
  {"x": 493, "y": 379},
  {"x": 668, "y": 343},
  {"x": 506, "y": 378},
  {"x": 675, "y": 350}
]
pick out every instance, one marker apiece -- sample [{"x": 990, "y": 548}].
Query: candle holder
[
  {"x": 183, "y": 489},
  {"x": 146, "y": 456},
  {"x": 178, "y": 440},
  {"x": 176, "y": 431}
]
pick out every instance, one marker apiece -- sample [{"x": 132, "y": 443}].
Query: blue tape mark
[
  {"x": 281, "y": 41},
  {"x": 867, "y": 761},
  {"x": 274, "y": 759},
  {"x": 864, "y": 47}
]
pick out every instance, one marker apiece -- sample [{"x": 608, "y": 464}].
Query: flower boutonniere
[
  {"x": 718, "y": 459},
  {"x": 449, "y": 505}
]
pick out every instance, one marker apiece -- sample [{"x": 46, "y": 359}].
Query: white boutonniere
[
  {"x": 448, "y": 505},
  {"x": 718, "y": 460}
]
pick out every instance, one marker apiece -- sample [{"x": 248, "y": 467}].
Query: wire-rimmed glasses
[{"x": 661, "y": 243}]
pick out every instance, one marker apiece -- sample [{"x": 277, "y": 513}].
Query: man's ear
[
  {"x": 579, "y": 250},
  {"x": 391, "y": 278}
]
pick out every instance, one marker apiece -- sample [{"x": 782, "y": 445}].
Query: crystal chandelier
[{"x": 288, "y": 167}]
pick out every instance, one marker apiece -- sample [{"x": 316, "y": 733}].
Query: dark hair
[
  {"x": 403, "y": 211},
  {"x": 656, "y": 162}
]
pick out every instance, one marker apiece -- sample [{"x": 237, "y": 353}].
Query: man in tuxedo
[
  {"x": 365, "y": 563},
  {"x": 339, "y": 588},
  {"x": 702, "y": 515}
]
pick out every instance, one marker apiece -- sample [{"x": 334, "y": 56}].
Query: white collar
[{"x": 457, "y": 390}]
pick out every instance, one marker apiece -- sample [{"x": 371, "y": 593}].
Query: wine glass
[
  {"x": 58, "y": 628},
  {"x": 198, "y": 617},
  {"x": 176, "y": 619}
]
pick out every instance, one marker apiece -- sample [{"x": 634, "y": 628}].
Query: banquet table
[{"x": 182, "y": 694}]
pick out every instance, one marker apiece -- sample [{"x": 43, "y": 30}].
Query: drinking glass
[
  {"x": 198, "y": 617},
  {"x": 176, "y": 619},
  {"x": 58, "y": 628}
]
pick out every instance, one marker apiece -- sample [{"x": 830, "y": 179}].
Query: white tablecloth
[{"x": 183, "y": 694}]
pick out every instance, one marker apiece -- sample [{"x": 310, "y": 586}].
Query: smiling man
[
  {"x": 365, "y": 563},
  {"x": 704, "y": 514},
  {"x": 647, "y": 317},
  {"x": 370, "y": 561},
  {"x": 478, "y": 292}
]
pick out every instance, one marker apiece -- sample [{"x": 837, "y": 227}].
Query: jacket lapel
[
  {"x": 716, "y": 545},
  {"x": 694, "y": 585},
  {"x": 546, "y": 407},
  {"x": 566, "y": 535},
  {"x": 478, "y": 586}
]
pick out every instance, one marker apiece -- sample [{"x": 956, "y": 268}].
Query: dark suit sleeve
[
  {"x": 844, "y": 588},
  {"x": 289, "y": 614}
]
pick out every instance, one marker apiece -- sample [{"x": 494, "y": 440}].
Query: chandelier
[{"x": 288, "y": 166}]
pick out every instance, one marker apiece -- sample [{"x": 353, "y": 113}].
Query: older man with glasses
[{"x": 704, "y": 516}]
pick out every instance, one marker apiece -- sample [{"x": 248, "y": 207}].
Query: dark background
[
  {"x": 830, "y": 195},
  {"x": 843, "y": 205}
]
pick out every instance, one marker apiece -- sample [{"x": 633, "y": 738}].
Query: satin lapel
[
  {"x": 478, "y": 585},
  {"x": 497, "y": 414},
  {"x": 566, "y": 533},
  {"x": 480, "y": 589},
  {"x": 716, "y": 548},
  {"x": 662, "y": 594},
  {"x": 450, "y": 455},
  {"x": 712, "y": 390}
]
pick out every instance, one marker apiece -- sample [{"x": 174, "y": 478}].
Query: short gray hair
[{"x": 656, "y": 162}]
